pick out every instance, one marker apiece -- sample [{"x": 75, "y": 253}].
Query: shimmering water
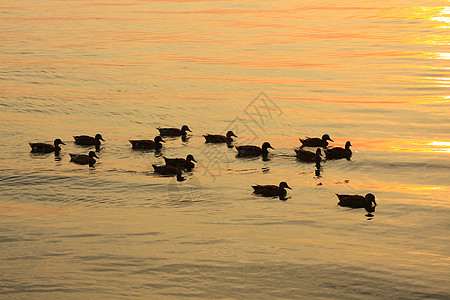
[{"x": 372, "y": 72}]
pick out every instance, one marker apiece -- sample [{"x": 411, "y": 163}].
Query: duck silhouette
[
  {"x": 338, "y": 152},
  {"x": 46, "y": 148},
  {"x": 316, "y": 142},
  {"x": 173, "y": 131},
  {"x": 147, "y": 144},
  {"x": 253, "y": 151}
]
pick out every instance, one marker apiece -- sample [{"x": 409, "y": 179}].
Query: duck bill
[
  {"x": 288, "y": 187},
  {"x": 331, "y": 140},
  {"x": 194, "y": 160}
]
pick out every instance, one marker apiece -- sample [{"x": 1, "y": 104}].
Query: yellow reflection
[{"x": 444, "y": 17}]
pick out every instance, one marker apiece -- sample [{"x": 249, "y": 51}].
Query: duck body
[
  {"x": 316, "y": 142},
  {"x": 174, "y": 131},
  {"x": 181, "y": 163},
  {"x": 356, "y": 201},
  {"x": 252, "y": 151},
  {"x": 83, "y": 159},
  {"x": 338, "y": 152},
  {"x": 217, "y": 138},
  {"x": 308, "y": 156},
  {"x": 86, "y": 140},
  {"x": 271, "y": 190},
  {"x": 147, "y": 144},
  {"x": 166, "y": 170},
  {"x": 46, "y": 148}
]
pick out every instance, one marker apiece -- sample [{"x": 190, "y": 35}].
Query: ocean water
[{"x": 375, "y": 73}]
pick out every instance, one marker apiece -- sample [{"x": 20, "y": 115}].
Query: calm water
[{"x": 376, "y": 73}]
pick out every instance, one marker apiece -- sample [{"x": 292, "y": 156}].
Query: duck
[
  {"x": 271, "y": 190},
  {"x": 167, "y": 170},
  {"x": 174, "y": 131},
  {"x": 83, "y": 159},
  {"x": 252, "y": 151},
  {"x": 357, "y": 201},
  {"x": 338, "y": 152},
  {"x": 309, "y": 156},
  {"x": 181, "y": 163},
  {"x": 86, "y": 140},
  {"x": 316, "y": 142},
  {"x": 147, "y": 144},
  {"x": 46, "y": 148},
  {"x": 217, "y": 138}
]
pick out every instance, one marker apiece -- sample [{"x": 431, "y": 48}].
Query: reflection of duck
[
  {"x": 46, "y": 148},
  {"x": 83, "y": 159},
  {"x": 316, "y": 142},
  {"x": 338, "y": 152},
  {"x": 357, "y": 201},
  {"x": 251, "y": 151},
  {"x": 308, "y": 156},
  {"x": 181, "y": 163},
  {"x": 271, "y": 190},
  {"x": 147, "y": 144},
  {"x": 166, "y": 170},
  {"x": 174, "y": 131},
  {"x": 217, "y": 138}
]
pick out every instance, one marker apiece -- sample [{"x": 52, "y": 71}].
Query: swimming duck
[
  {"x": 316, "y": 142},
  {"x": 338, "y": 152},
  {"x": 86, "y": 140},
  {"x": 174, "y": 131},
  {"x": 217, "y": 138},
  {"x": 308, "y": 156},
  {"x": 83, "y": 159},
  {"x": 46, "y": 148},
  {"x": 251, "y": 151},
  {"x": 181, "y": 163},
  {"x": 271, "y": 190},
  {"x": 357, "y": 201},
  {"x": 166, "y": 170},
  {"x": 147, "y": 144}
]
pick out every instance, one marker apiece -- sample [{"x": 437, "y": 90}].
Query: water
[{"x": 375, "y": 73}]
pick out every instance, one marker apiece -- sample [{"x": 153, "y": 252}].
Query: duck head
[
  {"x": 230, "y": 134},
  {"x": 58, "y": 142},
  {"x": 370, "y": 197},
  {"x": 185, "y": 128},
  {"x": 326, "y": 137},
  {"x": 190, "y": 157},
  {"x": 158, "y": 139},
  {"x": 92, "y": 154},
  {"x": 266, "y": 145},
  {"x": 347, "y": 145},
  {"x": 318, "y": 152},
  {"x": 284, "y": 185},
  {"x": 98, "y": 136}
]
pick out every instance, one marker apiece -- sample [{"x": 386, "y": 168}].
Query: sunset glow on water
[{"x": 375, "y": 73}]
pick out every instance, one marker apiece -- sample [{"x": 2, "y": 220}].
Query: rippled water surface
[{"x": 375, "y": 73}]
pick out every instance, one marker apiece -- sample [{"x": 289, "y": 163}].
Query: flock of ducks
[{"x": 175, "y": 166}]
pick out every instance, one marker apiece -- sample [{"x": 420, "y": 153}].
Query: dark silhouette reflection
[
  {"x": 318, "y": 166},
  {"x": 229, "y": 145},
  {"x": 370, "y": 209},
  {"x": 185, "y": 138},
  {"x": 180, "y": 177}
]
